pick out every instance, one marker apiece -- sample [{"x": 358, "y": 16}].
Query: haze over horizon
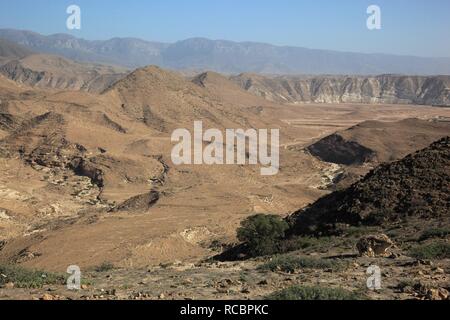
[{"x": 413, "y": 28}]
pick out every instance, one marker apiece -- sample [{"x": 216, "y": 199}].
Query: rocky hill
[
  {"x": 378, "y": 141},
  {"x": 164, "y": 100},
  {"x": 129, "y": 52},
  {"x": 9, "y": 50},
  {"x": 54, "y": 72},
  {"x": 389, "y": 89},
  {"x": 414, "y": 187}
]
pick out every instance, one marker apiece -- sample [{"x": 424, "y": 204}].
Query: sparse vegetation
[
  {"x": 262, "y": 233},
  {"x": 291, "y": 264},
  {"x": 104, "y": 267},
  {"x": 408, "y": 283},
  {"x": 359, "y": 231},
  {"x": 24, "y": 278},
  {"x": 436, "y": 250},
  {"x": 307, "y": 244},
  {"x": 434, "y": 233},
  {"x": 314, "y": 293}
]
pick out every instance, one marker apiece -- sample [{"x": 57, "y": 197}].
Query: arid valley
[{"x": 86, "y": 179}]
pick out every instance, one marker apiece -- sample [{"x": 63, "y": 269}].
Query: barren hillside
[{"x": 387, "y": 89}]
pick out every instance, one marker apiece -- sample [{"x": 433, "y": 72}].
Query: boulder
[{"x": 375, "y": 246}]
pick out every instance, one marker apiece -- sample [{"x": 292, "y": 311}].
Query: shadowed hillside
[{"x": 416, "y": 186}]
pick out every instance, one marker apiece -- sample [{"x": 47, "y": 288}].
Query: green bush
[
  {"x": 24, "y": 278},
  {"x": 290, "y": 264},
  {"x": 313, "y": 293},
  {"x": 262, "y": 233},
  {"x": 436, "y": 250}
]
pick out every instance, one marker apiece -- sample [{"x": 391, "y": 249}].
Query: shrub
[
  {"x": 24, "y": 278},
  {"x": 290, "y": 264},
  {"x": 434, "y": 233},
  {"x": 307, "y": 244},
  {"x": 437, "y": 250},
  {"x": 262, "y": 233},
  {"x": 104, "y": 267},
  {"x": 314, "y": 293}
]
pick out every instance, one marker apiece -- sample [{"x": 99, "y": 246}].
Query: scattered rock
[
  {"x": 374, "y": 246},
  {"x": 50, "y": 297},
  {"x": 437, "y": 294},
  {"x": 263, "y": 283},
  {"x": 111, "y": 292},
  {"x": 439, "y": 270}
]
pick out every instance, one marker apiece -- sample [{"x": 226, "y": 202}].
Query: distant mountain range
[
  {"x": 52, "y": 71},
  {"x": 55, "y": 72},
  {"x": 225, "y": 56}
]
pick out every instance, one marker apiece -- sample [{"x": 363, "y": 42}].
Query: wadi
[{"x": 218, "y": 153}]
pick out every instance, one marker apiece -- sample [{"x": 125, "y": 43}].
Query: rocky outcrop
[
  {"x": 416, "y": 186},
  {"x": 141, "y": 202},
  {"x": 374, "y": 246},
  {"x": 84, "y": 168},
  {"x": 336, "y": 149},
  {"x": 45, "y": 71},
  {"x": 390, "y": 89},
  {"x": 8, "y": 122},
  {"x": 372, "y": 142}
]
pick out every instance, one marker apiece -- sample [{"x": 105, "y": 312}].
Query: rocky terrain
[
  {"x": 361, "y": 148},
  {"x": 86, "y": 178},
  {"x": 388, "y": 89},
  {"x": 49, "y": 71},
  {"x": 378, "y": 142},
  {"x": 54, "y": 72},
  {"x": 414, "y": 188}
]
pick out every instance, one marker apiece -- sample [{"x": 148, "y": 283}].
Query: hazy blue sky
[{"x": 416, "y": 27}]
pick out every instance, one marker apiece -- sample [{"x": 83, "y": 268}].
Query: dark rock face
[
  {"x": 84, "y": 168},
  {"x": 15, "y": 71},
  {"x": 335, "y": 149},
  {"x": 8, "y": 122},
  {"x": 141, "y": 202},
  {"x": 416, "y": 186}
]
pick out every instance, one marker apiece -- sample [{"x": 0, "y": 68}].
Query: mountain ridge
[
  {"x": 225, "y": 56},
  {"x": 385, "y": 88}
]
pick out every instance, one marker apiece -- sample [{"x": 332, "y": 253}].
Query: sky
[{"x": 411, "y": 27}]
